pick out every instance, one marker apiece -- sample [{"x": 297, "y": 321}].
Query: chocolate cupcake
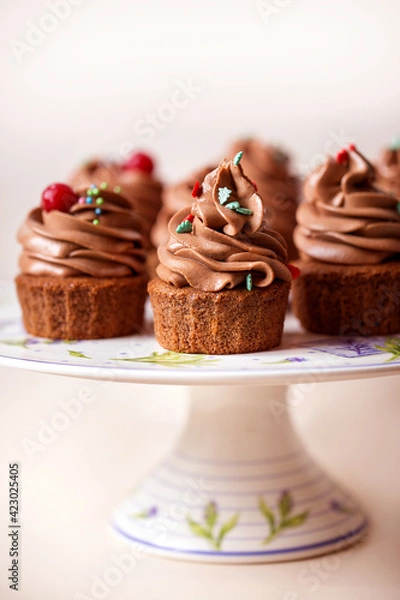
[
  {"x": 269, "y": 168},
  {"x": 223, "y": 282},
  {"x": 388, "y": 169},
  {"x": 349, "y": 241},
  {"x": 82, "y": 265},
  {"x": 134, "y": 178}
]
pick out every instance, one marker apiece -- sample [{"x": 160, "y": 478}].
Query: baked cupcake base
[
  {"x": 348, "y": 299},
  {"x": 81, "y": 307},
  {"x": 234, "y": 321}
]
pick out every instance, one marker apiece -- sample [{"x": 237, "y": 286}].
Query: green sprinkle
[
  {"x": 103, "y": 185},
  {"x": 95, "y": 191},
  {"x": 95, "y": 222},
  {"x": 184, "y": 227},
  {"x": 117, "y": 189},
  {"x": 89, "y": 192},
  {"x": 238, "y": 158},
  {"x": 99, "y": 200},
  {"x": 233, "y": 205},
  {"x": 249, "y": 282},
  {"x": 223, "y": 194},
  {"x": 244, "y": 211}
]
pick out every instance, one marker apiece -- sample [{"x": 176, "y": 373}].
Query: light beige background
[{"x": 312, "y": 75}]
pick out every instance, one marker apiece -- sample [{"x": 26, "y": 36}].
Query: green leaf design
[
  {"x": 267, "y": 512},
  {"x": 21, "y": 343},
  {"x": 283, "y": 521},
  {"x": 226, "y": 528},
  {"x": 391, "y": 346},
  {"x": 211, "y": 514},
  {"x": 198, "y": 529},
  {"x": 296, "y": 520},
  {"x": 171, "y": 359},
  {"x": 206, "y": 530},
  {"x": 285, "y": 504},
  {"x": 76, "y": 354}
]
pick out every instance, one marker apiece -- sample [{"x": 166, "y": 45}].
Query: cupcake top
[
  {"x": 269, "y": 167},
  {"x": 174, "y": 198},
  {"x": 134, "y": 178},
  {"x": 388, "y": 169},
  {"x": 94, "y": 232},
  {"x": 221, "y": 241},
  {"x": 346, "y": 219}
]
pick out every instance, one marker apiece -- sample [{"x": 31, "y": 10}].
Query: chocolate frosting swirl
[
  {"x": 388, "y": 170},
  {"x": 63, "y": 244},
  {"x": 345, "y": 218},
  {"x": 269, "y": 167},
  {"x": 224, "y": 246},
  {"x": 142, "y": 189},
  {"x": 175, "y": 197}
]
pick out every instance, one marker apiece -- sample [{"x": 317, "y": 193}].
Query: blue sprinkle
[
  {"x": 89, "y": 200},
  {"x": 98, "y": 211}
]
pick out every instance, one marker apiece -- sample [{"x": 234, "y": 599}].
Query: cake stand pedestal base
[{"x": 239, "y": 487}]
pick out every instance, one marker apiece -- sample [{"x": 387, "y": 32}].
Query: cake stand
[{"x": 239, "y": 486}]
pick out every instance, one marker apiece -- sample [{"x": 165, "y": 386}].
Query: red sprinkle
[
  {"x": 255, "y": 185},
  {"x": 342, "y": 157},
  {"x": 196, "y": 191},
  {"x": 189, "y": 218},
  {"x": 352, "y": 147},
  {"x": 294, "y": 271}
]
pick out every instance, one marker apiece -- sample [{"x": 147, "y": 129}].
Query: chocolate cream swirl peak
[
  {"x": 222, "y": 239},
  {"x": 98, "y": 236},
  {"x": 346, "y": 218}
]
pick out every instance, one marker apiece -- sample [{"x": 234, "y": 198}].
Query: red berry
[
  {"x": 196, "y": 191},
  {"x": 294, "y": 271},
  {"x": 342, "y": 157},
  {"x": 58, "y": 196},
  {"x": 140, "y": 162}
]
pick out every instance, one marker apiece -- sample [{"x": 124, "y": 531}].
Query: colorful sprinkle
[
  {"x": 244, "y": 211},
  {"x": 238, "y": 158},
  {"x": 95, "y": 191},
  {"x": 184, "y": 227},
  {"x": 117, "y": 189},
  {"x": 103, "y": 185},
  {"x": 352, "y": 148},
  {"x": 223, "y": 194},
  {"x": 99, "y": 201},
  {"x": 249, "y": 282},
  {"x": 98, "y": 211},
  {"x": 82, "y": 200},
  {"x": 294, "y": 271},
  {"x": 233, "y": 205},
  {"x": 196, "y": 191},
  {"x": 89, "y": 200},
  {"x": 189, "y": 218},
  {"x": 93, "y": 185},
  {"x": 95, "y": 222},
  {"x": 89, "y": 192},
  {"x": 342, "y": 157}
]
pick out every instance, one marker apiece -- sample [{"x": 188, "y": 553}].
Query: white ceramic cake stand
[{"x": 239, "y": 486}]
